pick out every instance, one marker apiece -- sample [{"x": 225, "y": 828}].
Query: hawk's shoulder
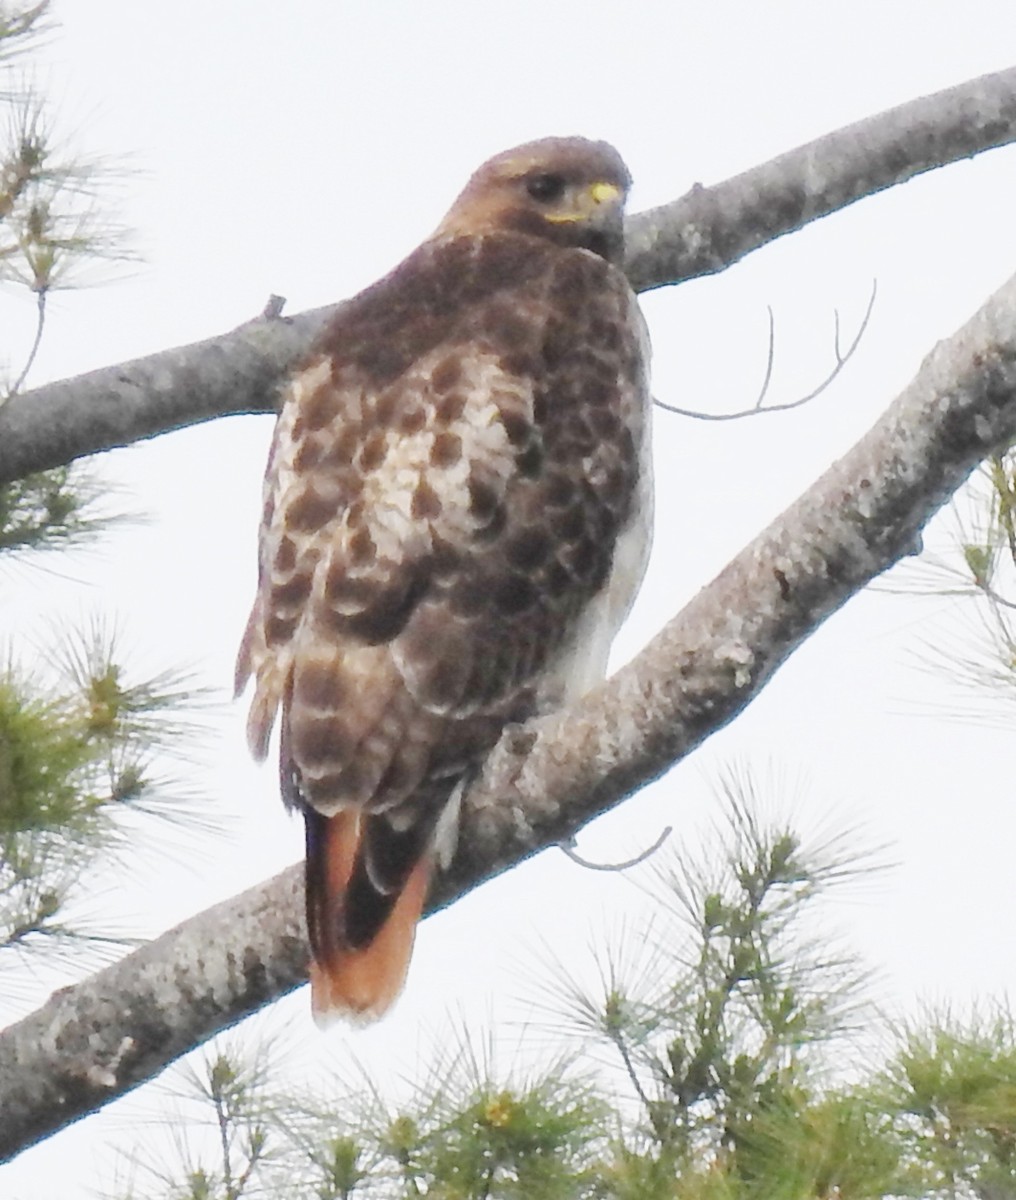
[{"x": 456, "y": 290}]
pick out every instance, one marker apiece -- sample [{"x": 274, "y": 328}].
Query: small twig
[
  {"x": 659, "y": 1124},
  {"x": 39, "y": 327},
  {"x": 1005, "y": 497},
  {"x": 245, "y": 1175},
  {"x": 618, "y": 1039},
  {"x": 569, "y": 848},
  {"x": 222, "y": 1118},
  {"x": 758, "y": 408},
  {"x": 992, "y": 596},
  {"x": 272, "y": 311},
  {"x": 770, "y": 359},
  {"x": 409, "y": 1178},
  {"x": 42, "y": 928}
]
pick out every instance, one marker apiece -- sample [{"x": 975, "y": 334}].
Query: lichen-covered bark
[
  {"x": 96, "y": 1040},
  {"x": 121, "y": 1026},
  {"x": 703, "y": 232}
]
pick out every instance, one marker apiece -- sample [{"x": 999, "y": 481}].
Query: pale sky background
[{"x": 303, "y": 149}]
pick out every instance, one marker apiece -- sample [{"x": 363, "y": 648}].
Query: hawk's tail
[{"x": 360, "y": 977}]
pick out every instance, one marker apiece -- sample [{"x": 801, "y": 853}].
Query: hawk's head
[{"x": 569, "y": 190}]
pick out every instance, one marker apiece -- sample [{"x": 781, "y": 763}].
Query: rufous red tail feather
[{"x": 366, "y": 982}]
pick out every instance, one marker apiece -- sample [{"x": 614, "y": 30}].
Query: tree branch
[
  {"x": 703, "y": 232},
  {"x": 711, "y": 228},
  {"x": 236, "y": 372},
  {"x": 94, "y": 1041}
]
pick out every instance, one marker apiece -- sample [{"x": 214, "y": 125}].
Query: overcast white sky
[{"x": 303, "y": 149}]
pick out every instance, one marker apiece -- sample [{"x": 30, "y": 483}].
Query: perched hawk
[{"x": 456, "y": 519}]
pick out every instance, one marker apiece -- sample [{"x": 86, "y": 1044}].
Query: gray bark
[{"x": 703, "y": 232}]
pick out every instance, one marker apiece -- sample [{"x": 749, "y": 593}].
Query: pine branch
[
  {"x": 699, "y": 234},
  {"x": 94, "y": 1041}
]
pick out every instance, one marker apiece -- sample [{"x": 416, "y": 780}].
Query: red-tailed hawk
[{"x": 456, "y": 520}]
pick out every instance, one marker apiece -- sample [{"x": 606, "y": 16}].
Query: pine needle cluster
[{"x": 724, "y": 1054}]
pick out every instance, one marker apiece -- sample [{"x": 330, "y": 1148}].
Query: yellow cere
[{"x": 604, "y": 192}]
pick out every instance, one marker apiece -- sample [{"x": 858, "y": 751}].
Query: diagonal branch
[
  {"x": 94, "y": 1041},
  {"x": 711, "y": 228},
  {"x": 703, "y": 232}
]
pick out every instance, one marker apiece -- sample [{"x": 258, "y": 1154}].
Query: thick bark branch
[
  {"x": 713, "y": 227},
  {"x": 703, "y": 232},
  {"x": 236, "y": 372},
  {"x": 94, "y": 1041}
]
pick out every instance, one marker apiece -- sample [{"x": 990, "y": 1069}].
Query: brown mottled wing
[{"x": 451, "y": 472}]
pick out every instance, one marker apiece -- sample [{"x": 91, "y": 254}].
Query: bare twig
[
  {"x": 842, "y": 358},
  {"x": 18, "y": 30},
  {"x": 40, "y": 324},
  {"x": 652, "y": 1110},
  {"x": 770, "y": 358},
  {"x": 568, "y": 846},
  {"x": 223, "y": 1121},
  {"x": 992, "y": 596}
]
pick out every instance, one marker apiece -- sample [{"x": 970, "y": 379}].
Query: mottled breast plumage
[{"x": 459, "y": 496}]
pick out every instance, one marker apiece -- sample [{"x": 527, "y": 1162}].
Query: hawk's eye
[{"x": 545, "y": 188}]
